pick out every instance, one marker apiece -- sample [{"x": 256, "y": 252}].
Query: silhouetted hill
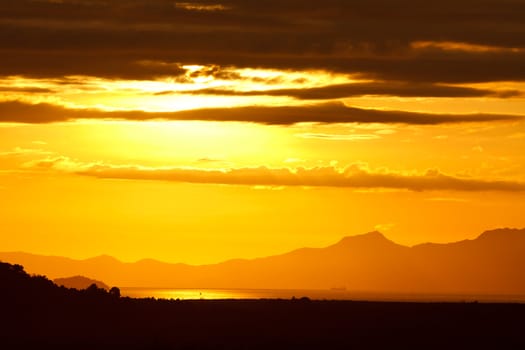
[
  {"x": 79, "y": 282},
  {"x": 37, "y": 314},
  {"x": 492, "y": 264}
]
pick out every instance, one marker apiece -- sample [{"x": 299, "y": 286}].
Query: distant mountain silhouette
[
  {"x": 494, "y": 263},
  {"x": 79, "y": 282}
]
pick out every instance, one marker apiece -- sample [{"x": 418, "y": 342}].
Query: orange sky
[{"x": 193, "y": 145}]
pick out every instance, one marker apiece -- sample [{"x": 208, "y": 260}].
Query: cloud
[
  {"x": 38, "y": 142},
  {"x": 196, "y": 6},
  {"x": 58, "y": 163},
  {"x": 404, "y": 40},
  {"x": 113, "y": 65},
  {"x": 455, "y": 46},
  {"x": 20, "y": 151},
  {"x": 391, "y": 88},
  {"x": 447, "y": 199},
  {"x": 354, "y": 176},
  {"x": 19, "y": 112},
  {"x": 33, "y": 90},
  {"x": 313, "y": 177},
  {"x": 209, "y": 160},
  {"x": 384, "y": 227},
  {"x": 340, "y": 137}
]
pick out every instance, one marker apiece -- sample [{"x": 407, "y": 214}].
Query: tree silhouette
[{"x": 115, "y": 292}]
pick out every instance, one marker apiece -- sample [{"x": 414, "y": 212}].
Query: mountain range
[{"x": 492, "y": 264}]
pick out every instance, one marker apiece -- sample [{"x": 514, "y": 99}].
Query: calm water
[{"x": 196, "y": 294}]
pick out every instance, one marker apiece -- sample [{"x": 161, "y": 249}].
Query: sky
[{"x": 201, "y": 131}]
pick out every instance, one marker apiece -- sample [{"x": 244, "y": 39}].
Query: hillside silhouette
[
  {"x": 79, "y": 282},
  {"x": 492, "y": 264},
  {"x": 37, "y": 314}
]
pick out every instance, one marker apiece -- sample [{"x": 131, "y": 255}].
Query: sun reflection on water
[
  {"x": 332, "y": 294},
  {"x": 187, "y": 294}
]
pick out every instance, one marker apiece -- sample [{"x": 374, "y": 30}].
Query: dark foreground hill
[{"x": 36, "y": 314}]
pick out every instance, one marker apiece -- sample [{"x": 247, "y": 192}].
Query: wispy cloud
[
  {"x": 20, "y": 151},
  {"x": 448, "y": 199},
  {"x": 384, "y": 227},
  {"x": 340, "y": 137},
  {"x": 459, "y": 46},
  {"x": 197, "y": 6}
]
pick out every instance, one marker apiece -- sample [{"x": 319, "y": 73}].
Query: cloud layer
[
  {"x": 336, "y": 91},
  {"x": 19, "y": 112},
  {"x": 380, "y": 39},
  {"x": 354, "y": 176}
]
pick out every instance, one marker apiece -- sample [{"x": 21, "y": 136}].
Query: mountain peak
[
  {"x": 370, "y": 237},
  {"x": 501, "y": 233}
]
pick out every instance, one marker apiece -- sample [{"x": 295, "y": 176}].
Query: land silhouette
[
  {"x": 79, "y": 282},
  {"x": 37, "y": 314},
  {"x": 492, "y": 264}
]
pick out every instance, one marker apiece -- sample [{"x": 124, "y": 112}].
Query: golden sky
[{"x": 201, "y": 131}]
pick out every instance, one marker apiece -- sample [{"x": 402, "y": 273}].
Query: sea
[{"x": 313, "y": 294}]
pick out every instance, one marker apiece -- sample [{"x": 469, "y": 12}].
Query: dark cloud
[
  {"x": 42, "y": 64},
  {"x": 19, "y": 112},
  {"x": 216, "y": 72},
  {"x": 351, "y": 177},
  {"x": 360, "y": 89},
  {"x": 28, "y": 89},
  {"x": 373, "y": 38}
]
